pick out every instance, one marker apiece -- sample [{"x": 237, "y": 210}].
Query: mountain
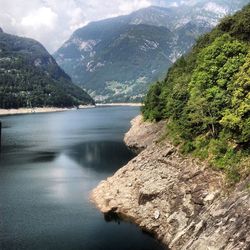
[
  {"x": 116, "y": 59},
  {"x": 30, "y": 76},
  {"x": 206, "y": 97}
]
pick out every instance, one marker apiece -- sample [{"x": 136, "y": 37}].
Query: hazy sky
[{"x": 52, "y": 21}]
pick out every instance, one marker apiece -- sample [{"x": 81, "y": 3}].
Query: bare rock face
[
  {"x": 142, "y": 134},
  {"x": 180, "y": 200}
]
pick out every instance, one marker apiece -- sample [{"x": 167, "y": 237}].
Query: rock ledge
[{"x": 179, "y": 200}]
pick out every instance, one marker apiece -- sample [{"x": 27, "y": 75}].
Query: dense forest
[
  {"x": 30, "y": 77},
  {"x": 205, "y": 97}
]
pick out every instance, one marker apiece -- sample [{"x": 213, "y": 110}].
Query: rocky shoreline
[
  {"x": 181, "y": 201},
  {"x": 125, "y": 104},
  {"x": 38, "y": 110}
]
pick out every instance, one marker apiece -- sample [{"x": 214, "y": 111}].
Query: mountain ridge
[
  {"x": 94, "y": 54},
  {"x": 30, "y": 76}
]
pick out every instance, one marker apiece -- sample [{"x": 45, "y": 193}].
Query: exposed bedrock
[{"x": 178, "y": 199}]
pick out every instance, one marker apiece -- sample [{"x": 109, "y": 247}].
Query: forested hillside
[
  {"x": 30, "y": 77},
  {"x": 205, "y": 97}
]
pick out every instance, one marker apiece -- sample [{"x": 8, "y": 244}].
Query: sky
[{"x": 51, "y": 22}]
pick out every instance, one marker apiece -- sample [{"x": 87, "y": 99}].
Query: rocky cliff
[{"x": 181, "y": 201}]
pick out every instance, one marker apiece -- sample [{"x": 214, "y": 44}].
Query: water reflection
[
  {"x": 112, "y": 217},
  {"x": 44, "y": 156},
  {"x": 48, "y": 166},
  {"x": 101, "y": 156},
  {"x": 83, "y": 161}
]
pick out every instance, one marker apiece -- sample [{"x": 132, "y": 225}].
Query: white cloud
[
  {"x": 129, "y": 6},
  {"x": 52, "y": 21},
  {"x": 44, "y": 16}
]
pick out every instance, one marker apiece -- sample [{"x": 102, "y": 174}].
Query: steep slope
[
  {"x": 205, "y": 97},
  {"x": 116, "y": 59},
  {"x": 30, "y": 77},
  {"x": 120, "y": 55}
]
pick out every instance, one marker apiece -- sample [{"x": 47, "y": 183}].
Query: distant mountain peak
[
  {"x": 1, "y": 30},
  {"x": 152, "y": 15}
]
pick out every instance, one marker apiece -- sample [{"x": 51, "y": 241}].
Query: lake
[{"x": 49, "y": 163}]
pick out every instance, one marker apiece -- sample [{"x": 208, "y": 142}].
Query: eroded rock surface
[
  {"x": 142, "y": 134},
  {"x": 181, "y": 201}
]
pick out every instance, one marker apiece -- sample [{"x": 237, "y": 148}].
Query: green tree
[
  {"x": 153, "y": 104},
  {"x": 209, "y": 94},
  {"x": 236, "y": 117}
]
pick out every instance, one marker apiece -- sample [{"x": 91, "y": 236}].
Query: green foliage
[
  {"x": 30, "y": 77},
  {"x": 236, "y": 119},
  {"x": 208, "y": 88},
  {"x": 238, "y": 25},
  {"x": 206, "y": 97},
  {"x": 153, "y": 104}
]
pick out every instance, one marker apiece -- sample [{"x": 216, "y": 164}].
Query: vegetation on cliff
[
  {"x": 30, "y": 77},
  {"x": 206, "y": 97}
]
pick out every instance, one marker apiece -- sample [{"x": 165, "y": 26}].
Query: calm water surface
[{"x": 49, "y": 163}]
